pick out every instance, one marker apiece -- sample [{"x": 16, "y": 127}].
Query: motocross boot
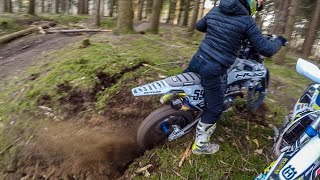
[{"x": 202, "y": 143}]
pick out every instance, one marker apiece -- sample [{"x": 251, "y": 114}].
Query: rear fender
[
  {"x": 155, "y": 88},
  {"x": 174, "y": 84}
]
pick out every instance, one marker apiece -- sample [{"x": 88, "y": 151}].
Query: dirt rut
[
  {"x": 21, "y": 53},
  {"x": 66, "y": 150}
]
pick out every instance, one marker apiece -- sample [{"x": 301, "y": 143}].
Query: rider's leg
[
  {"x": 214, "y": 88},
  {"x": 194, "y": 64}
]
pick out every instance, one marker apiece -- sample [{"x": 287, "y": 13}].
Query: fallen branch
[
  {"x": 50, "y": 174},
  {"x": 228, "y": 173},
  {"x": 153, "y": 67},
  {"x": 178, "y": 174},
  {"x": 10, "y": 37},
  {"x": 36, "y": 172},
  {"x": 75, "y": 30},
  {"x": 185, "y": 155},
  {"x": 10, "y": 146},
  {"x": 143, "y": 168}
]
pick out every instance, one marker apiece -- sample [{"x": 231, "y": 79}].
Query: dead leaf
[
  {"x": 220, "y": 139},
  {"x": 143, "y": 168},
  {"x": 161, "y": 76},
  {"x": 44, "y": 108},
  {"x": 256, "y": 142},
  {"x": 258, "y": 151},
  {"x": 234, "y": 144},
  {"x": 249, "y": 170},
  {"x": 146, "y": 173}
]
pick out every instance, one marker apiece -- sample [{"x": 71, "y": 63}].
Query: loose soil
[{"x": 100, "y": 147}]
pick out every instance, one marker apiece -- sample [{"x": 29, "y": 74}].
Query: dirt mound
[{"x": 73, "y": 151}]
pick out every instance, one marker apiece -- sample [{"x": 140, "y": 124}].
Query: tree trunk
[
  {"x": 140, "y": 9},
  {"x": 31, "y": 9},
  {"x": 57, "y": 5},
  {"x": 110, "y": 5},
  {"x": 194, "y": 19},
  {"x": 102, "y": 9},
  {"x": 42, "y": 6},
  {"x": 148, "y": 9},
  {"x": 116, "y": 7},
  {"x": 80, "y": 6},
  {"x": 68, "y": 3},
  {"x": 125, "y": 16},
  {"x": 281, "y": 17},
  {"x": 15, "y": 35},
  {"x": 171, "y": 12},
  {"x": 83, "y": 7},
  {"x": 289, "y": 27},
  {"x": 97, "y": 13},
  {"x": 182, "y": 2},
  {"x": 186, "y": 13},
  {"x": 155, "y": 18},
  {"x": 7, "y": 6},
  {"x": 86, "y": 7},
  {"x": 63, "y": 6},
  {"x": 312, "y": 31},
  {"x": 202, "y": 8},
  {"x": 49, "y": 8},
  {"x": 259, "y": 20}
]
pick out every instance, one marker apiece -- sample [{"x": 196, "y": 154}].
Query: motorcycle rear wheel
[{"x": 150, "y": 133}]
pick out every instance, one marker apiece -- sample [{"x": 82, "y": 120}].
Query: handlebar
[{"x": 311, "y": 131}]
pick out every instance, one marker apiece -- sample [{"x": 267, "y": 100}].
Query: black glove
[{"x": 283, "y": 40}]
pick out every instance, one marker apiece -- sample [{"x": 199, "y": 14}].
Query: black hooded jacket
[{"x": 226, "y": 26}]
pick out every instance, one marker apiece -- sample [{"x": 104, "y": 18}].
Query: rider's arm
[
  {"x": 262, "y": 45},
  {"x": 202, "y": 24}
]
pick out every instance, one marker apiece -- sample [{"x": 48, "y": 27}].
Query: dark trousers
[{"x": 214, "y": 80}]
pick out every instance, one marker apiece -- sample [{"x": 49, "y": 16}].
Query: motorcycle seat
[{"x": 184, "y": 79}]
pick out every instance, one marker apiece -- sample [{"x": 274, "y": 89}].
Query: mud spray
[{"x": 67, "y": 150}]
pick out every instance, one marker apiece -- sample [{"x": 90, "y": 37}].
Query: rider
[{"x": 226, "y": 26}]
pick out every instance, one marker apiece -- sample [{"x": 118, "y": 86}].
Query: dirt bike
[
  {"x": 183, "y": 97},
  {"x": 297, "y": 143}
]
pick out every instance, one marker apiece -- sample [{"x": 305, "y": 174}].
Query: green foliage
[
  {"x": 10, "y": 23},
  {"x": 65, "y": 19},
  {"x": 108, "y": 23}
]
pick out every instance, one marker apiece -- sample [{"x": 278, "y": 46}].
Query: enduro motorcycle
[
  {"x": 183, "y": 97},
  {"x": 298, "y": 143}
]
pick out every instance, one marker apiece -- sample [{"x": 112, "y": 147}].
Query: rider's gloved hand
[{"x": 283, "y": 40}]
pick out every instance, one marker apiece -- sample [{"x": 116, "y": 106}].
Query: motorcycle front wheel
[
  {"x": 257, "y": 94},
  {"x": 155, "y": 128}
]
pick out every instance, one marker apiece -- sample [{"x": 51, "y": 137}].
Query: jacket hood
[{"x": 232, "y": 7}]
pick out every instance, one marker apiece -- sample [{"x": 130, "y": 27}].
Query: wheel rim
[{"x": 156, "y": 134}]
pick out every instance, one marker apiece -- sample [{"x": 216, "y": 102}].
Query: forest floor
[{"x": 70, "y": 113}]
